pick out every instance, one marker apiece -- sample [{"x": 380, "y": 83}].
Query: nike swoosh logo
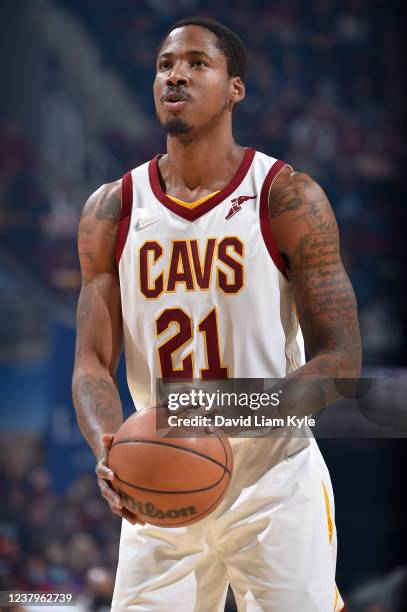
[
  {"x": 288, "y": 455},
  {"x": 139, "y": 226}
]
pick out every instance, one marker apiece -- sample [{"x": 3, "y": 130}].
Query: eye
[
  {"x": 198, "y": 63},
  {"x": 164, "y": 65}
]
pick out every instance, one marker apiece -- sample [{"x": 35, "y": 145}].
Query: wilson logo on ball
[{"x": 149, "y": 509}]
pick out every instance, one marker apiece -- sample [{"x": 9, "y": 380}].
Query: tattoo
[
  {"x": 104, "y": 204},
  {"x": 324, "y": 296},
  {"x": 84, "y": 305},
  {"x": 89, "y": 255},
  {"x": 97, "y": 241},
  {"x": 303, "y": 193},
  {"x": 109, "y": 207},
  {"x": 282, "y": 200},
  {"x": 82, "y": 315},
  {"x": 98, "y": 407},
  {"x": 100, "y": 393},
  {"x": 85, "y": 229},
  {"x": 95, "y": 395},
  {"x": 322, "y": 276},
  {"x": 307, "y": 234},
  {"x": 318, "y": 218}
]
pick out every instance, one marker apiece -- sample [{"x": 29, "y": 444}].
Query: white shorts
[{"x": 273, "y": 539}]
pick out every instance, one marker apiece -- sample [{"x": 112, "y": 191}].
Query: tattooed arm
[
  {"x": 306, "y": 233},
  {"x": 99, "y": 336},
  {"x": 98, "y": 342}
]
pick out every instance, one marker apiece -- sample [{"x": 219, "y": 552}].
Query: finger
[
  {"x": 110, "y": 495},
  {"x": 107, "y": 440},
  {"x": 209, "y": 412},
  {"x": 115, "y": 503},
  {"x": 180, "y": 409},
  {"x": 225, "y": 431},
  {"x": 212, "y": 429},
  {"x": 132, "y": 518},
  {"x": 116, "y": 511},
  {"x": 103, "y": 471},
  {"x": 126, "y": 514},
  {"x": 201, "y": 410}
]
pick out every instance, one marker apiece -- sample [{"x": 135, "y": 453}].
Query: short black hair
[{"x": 229, "y": 43}]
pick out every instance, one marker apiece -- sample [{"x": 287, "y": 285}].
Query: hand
[{"x": 104, "y": 476}]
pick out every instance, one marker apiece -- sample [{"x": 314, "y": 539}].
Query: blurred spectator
[{"x": 98, "y": 591}]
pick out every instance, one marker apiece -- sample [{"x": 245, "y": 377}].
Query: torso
[{"x": 203, "y": 287}]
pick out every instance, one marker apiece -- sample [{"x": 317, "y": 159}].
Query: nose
[{"x": 178, "y": 76}]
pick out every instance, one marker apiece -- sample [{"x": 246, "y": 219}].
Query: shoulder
[
  {"x": 298, "y": 207},
  {"x": 105, "y": 203},
  {"x": 98, "y": 228},
  {"x": 292, "y": 191}
]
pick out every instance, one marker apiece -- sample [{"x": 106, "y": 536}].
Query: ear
[{"x": 238, "y": 91}]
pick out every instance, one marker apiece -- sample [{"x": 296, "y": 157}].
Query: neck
[{"x": 206, "y": 163}]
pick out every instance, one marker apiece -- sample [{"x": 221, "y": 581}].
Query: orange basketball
[{"x": 169, "y": 481}]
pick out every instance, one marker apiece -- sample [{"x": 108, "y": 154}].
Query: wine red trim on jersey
[
  {"x": 265, "y": 218},
  {"x": 190, "y": 214},
  {"x": 125, "y": 214}
]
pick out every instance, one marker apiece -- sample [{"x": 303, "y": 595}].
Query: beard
[{"x": 176, "y": 126}]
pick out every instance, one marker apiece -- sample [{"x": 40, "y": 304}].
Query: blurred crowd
[
  {"x": 324, "y": 93},
  {"x": 51, "y": 543}
]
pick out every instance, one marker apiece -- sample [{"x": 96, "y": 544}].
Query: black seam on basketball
[
  {"x": 187, "y": 450},
  {"x": 172, "y": 492},
  {"x": 224, "y": 449},
  {"x": 207, "y": 512}
]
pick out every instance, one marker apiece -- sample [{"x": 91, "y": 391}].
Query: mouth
[
  {"x": 174, "y": 101},
  {"x": 176, "y": 105}
]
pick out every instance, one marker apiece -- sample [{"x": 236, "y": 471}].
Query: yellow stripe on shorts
[
  {"x": 328, "y": 513},
  {"x": 336, "y": 598}
]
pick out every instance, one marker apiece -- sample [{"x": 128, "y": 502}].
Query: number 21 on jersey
[{"x": 208, "y": 329}]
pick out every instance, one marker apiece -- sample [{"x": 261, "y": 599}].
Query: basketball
[{"x": 169, "y": 481}]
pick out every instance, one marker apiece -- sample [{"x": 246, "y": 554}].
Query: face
[{"x": 192, "y": 88}]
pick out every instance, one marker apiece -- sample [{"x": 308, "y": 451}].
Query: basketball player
[{"x": 204, "y": 259}]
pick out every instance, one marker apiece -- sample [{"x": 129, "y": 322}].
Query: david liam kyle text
[{"x": 252, "y": 420}]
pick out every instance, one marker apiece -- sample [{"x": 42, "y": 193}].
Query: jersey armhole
[
  {"x": 265, "y": 226},
  {"x": 125, "y": 214}
]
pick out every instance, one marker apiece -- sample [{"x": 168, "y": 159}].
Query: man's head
[{"x": 201, "y": 75}]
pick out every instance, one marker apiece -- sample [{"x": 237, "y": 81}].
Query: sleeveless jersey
[{"x": 204, "y": 290}]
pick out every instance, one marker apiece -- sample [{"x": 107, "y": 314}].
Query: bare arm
[
  {"x": 306, "y": 232},
  {"x": 98, "y": 344},
  {"x": 99, "y": 335}
]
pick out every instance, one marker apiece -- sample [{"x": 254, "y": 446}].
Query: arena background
[{"x": 325, "y": 93}]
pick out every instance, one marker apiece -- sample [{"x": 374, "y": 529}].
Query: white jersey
[
  {"x": 205, "y": 295},
  {"x": 204, "y": 290}
]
